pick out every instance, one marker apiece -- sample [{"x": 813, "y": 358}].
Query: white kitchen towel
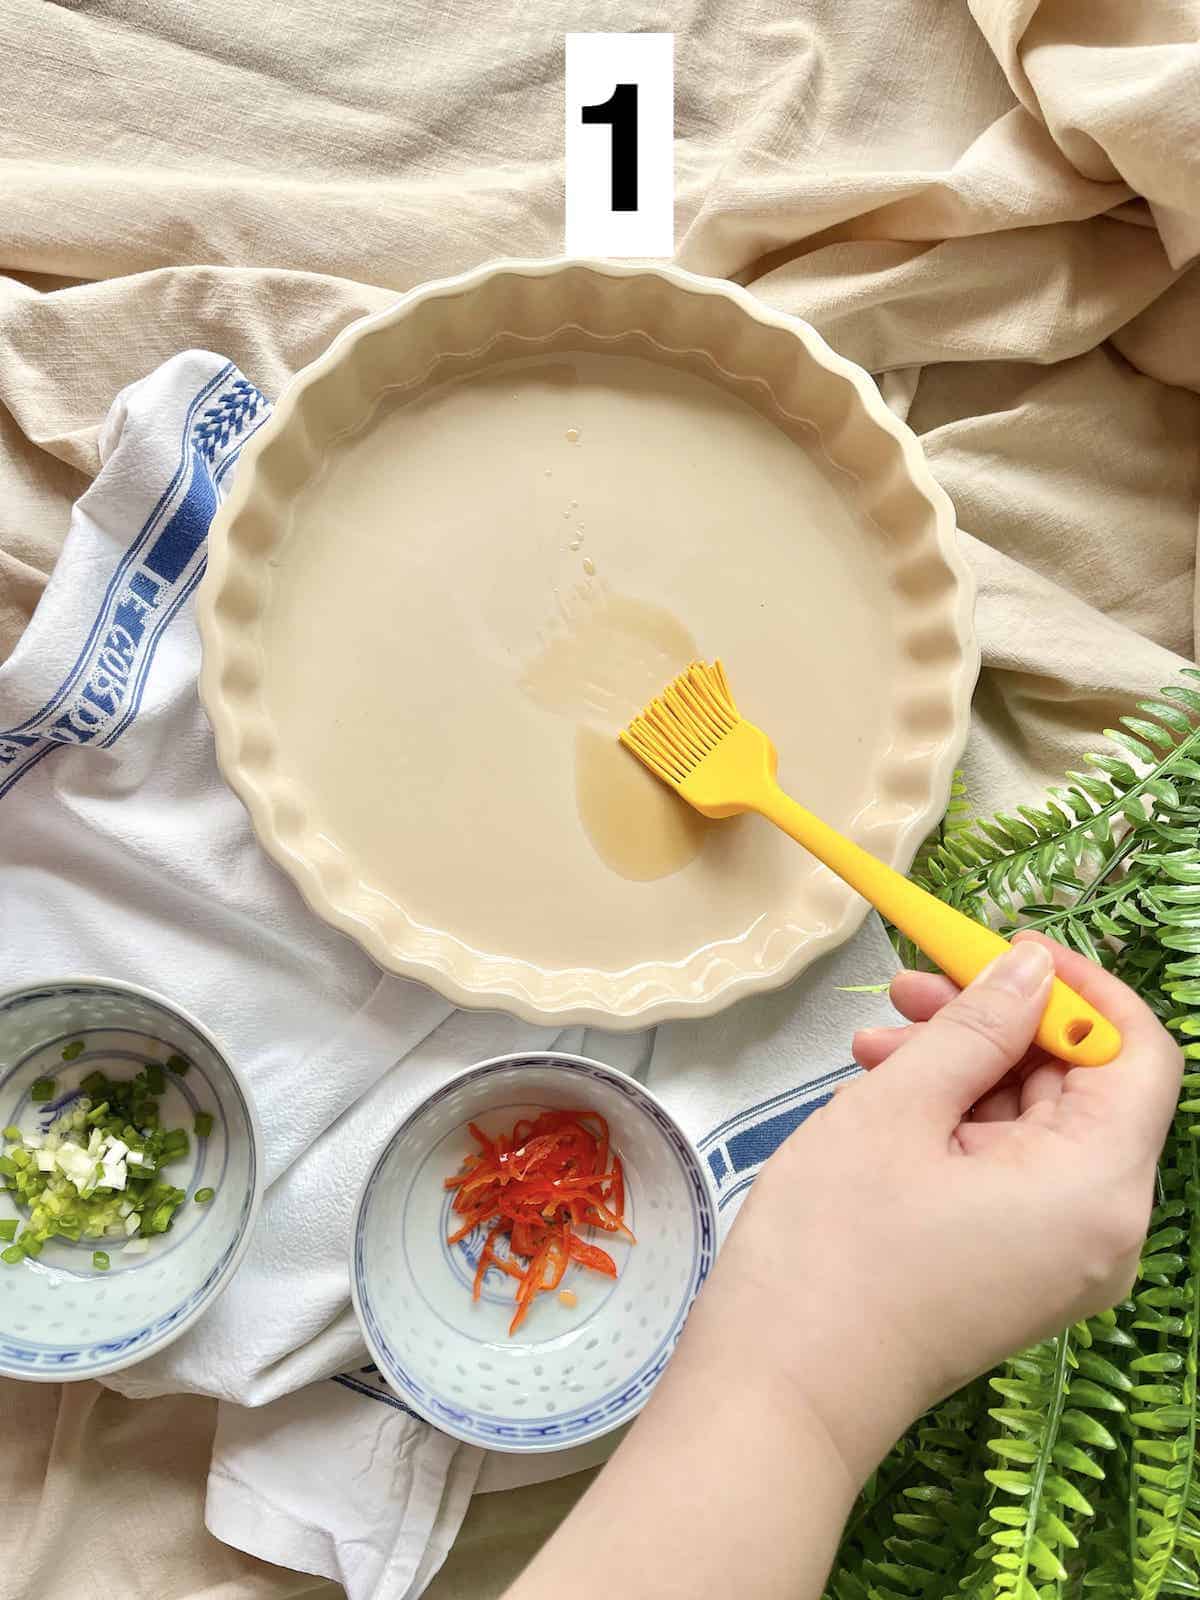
[
  {"x": 123, "y": 853},
  {"x": 340, "y": 1479},
  {"x": 286, "y": 1475}
]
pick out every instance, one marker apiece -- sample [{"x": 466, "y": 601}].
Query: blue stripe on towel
[
  {"x": 370, "y": 1392},
  {"x": 736, "y": 1149},
  {"x": 101, "y": 695}
]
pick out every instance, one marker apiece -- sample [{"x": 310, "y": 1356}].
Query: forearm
[
  {"x": 740, "y": 1474},
  {"x": 889, "y": 1250},
  {"x": 723, "y": 1487}
]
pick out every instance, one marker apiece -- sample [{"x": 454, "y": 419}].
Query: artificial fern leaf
[
  {"x": 944, "y": 838},
  {"x": 1090, "y": 1488},
  {"x": 1136, "y": 747},
  {"x": 1165, "y": 1530},
  {"x": 916, "y": 1520},
  {"x": 1151, "y": 731},
  {"x": 1166, "y": 713},
  {"x": 1049, "y": 1419}
]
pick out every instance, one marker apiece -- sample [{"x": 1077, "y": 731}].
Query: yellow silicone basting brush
[{"x": 694, "y": 739}]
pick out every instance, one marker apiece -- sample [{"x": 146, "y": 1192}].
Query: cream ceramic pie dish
[{"x": 479, "y": 533}]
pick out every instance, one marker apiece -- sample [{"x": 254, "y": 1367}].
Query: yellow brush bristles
[{"x": 675, "y": 732}]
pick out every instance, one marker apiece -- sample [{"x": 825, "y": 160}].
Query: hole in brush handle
[{"x": 1075, "y": 1031}]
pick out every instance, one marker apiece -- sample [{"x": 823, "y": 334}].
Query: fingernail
[{"x": 1023, "y": 969}]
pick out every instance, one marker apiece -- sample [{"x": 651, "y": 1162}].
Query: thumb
[{"x": 970, "y": 1044}]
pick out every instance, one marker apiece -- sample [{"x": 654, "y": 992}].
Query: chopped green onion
[
  {"x": 8, "y": 1229},
  {"x": 100, "y": 1260},
  {"x": 58, "y": 1176},
  {"x": 12, "y": 1255},
  {"x": 12, "y": 1131},
  {"x": 178, "y": 1064},
  {"x": 43, "y": 1089},
  {"x": 73, "y": 1051},
  {"x": 203, "y": 1196}
]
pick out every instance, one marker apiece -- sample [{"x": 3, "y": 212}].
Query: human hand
[
  {"x": 895, "y": 1246},
  {"x": 965, "y": 1198}
]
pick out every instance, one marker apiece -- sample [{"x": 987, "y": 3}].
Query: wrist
[
  {"x": 799, "y": 1320},
  {"x": 729, "y": 1478},
  {"x": 769, "y": 1426}
]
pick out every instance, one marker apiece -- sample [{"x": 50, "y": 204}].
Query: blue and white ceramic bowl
[
  {"x": 59, "y": 1317},
  {"x": 568, "y": 1374}
]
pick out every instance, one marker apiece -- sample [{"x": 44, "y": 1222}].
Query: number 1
[{"x": 620, "y": 111}]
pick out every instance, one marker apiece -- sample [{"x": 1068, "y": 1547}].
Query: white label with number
[{"x": 620, "y": 144}]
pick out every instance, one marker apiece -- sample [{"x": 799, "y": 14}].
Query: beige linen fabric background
[{"x": 996, "y": 204}]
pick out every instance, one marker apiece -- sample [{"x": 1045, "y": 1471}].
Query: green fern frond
[
  {"x": 1164, "y": 1490},
  {"x": 1054, "y": 1427},
  {"x": 937, "y": 1529},
  {"x": 942, "y": 852},
  {"x": 983, "y": 865},
  {"x": 1076, "y": 1477},
  {"x": 917, "y": 1517}
]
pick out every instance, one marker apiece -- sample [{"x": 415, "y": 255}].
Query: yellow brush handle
[{"x": 1070, "y": 1028}]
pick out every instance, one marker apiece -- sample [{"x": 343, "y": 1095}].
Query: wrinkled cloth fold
[
  {"x": 997, "y": 207},
  {"x": 124, "y": 853}
]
